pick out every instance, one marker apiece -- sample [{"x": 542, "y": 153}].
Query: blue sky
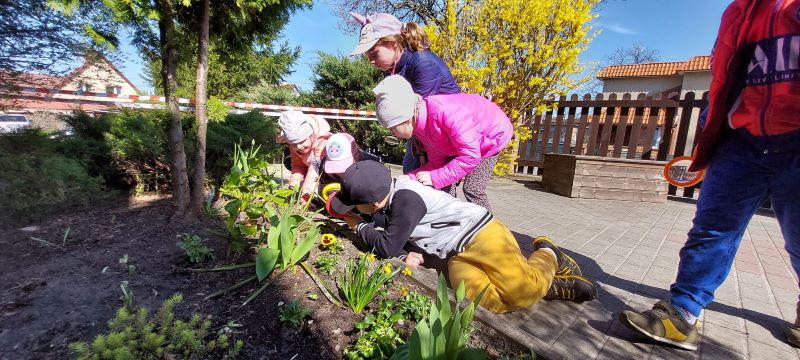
[{"x": 678, "y": 29}]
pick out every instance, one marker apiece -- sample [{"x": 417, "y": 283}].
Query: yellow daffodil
[
  {"x": 327, "y": 240},
  {"x": 387, "y": 268},
  {"x": 371, "y": 257},
  {"x": 404, "y": 290},
  {"x": 407, "y": 271}
]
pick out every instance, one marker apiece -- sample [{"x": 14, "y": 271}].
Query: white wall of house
[
  {"x": 100, "y": 77},
  {"x": 696, "y": 81},
  {"x": 642, "y": 84}
]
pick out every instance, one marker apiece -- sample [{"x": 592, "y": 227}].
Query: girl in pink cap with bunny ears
[{"x": 403, "y": 49}]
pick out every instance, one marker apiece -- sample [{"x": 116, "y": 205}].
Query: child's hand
[
  {"x": 425, "y": 178},
  {"x": 414, "y": 259},
  {"x": 353, "y": 220}
]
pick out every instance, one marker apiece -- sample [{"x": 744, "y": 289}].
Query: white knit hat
[
  {"x": 294, "y": 127},
  {"x": 395, "y": 101}
]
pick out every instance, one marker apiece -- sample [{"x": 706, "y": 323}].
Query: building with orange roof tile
[{"x": 658, "y": 77}]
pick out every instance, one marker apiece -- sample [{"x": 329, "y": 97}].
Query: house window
[
  {"x": 84, "y": 87},
  {"x": 111, "y": 89}
]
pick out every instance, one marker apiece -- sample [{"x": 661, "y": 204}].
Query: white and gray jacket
[{"x": 434, "y": 221}]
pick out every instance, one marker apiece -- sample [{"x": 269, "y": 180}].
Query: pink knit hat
[{"x": 375, "y": 27}]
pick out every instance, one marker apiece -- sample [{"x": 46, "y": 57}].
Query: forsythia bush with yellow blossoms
[{"x": 516, "y": 52}]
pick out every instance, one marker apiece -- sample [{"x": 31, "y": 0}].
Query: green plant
[
  {"x": 293, "y": 313},
  {"x": 127, "y": 295},
  {"x": 326, "y": 263},
  {"x": 275, "y": 219},
  {"x": 194, "y": 248},
  {"x": 377, "y": 338},
  {"x": 358, "y": 286},
  {"x": 36, "y": 184},
  {"x": 413, "y": 306},
  {"x": 248, "y": 187},
  {"x": 444, "y": 334},
  {"x": 133, "y": 336},
  {"x": 252, "y": 127}
]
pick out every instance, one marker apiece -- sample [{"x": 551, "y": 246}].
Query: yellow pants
[{"x": 493, "y": 258}]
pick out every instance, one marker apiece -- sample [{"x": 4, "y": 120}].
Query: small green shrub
[
  {"x": 194, "y": 248},
  {"x": 326, "y": 263},
  {"x": 133, "y": 336},
  {"x": 293, "y": 313},
  {"x": 32, "y": 186},
  {"x": 377, "y": 338},
  {"x": 413, "y": 306}
]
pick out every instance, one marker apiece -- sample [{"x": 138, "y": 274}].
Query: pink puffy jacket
[{"x": 457, "y": 131}]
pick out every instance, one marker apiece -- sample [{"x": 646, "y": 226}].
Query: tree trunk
[
  {"x": 199, "y": 177},
  {"x": 169, "y": 67}
]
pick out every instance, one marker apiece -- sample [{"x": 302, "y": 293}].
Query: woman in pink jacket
[{"x": 462, "y": 135}]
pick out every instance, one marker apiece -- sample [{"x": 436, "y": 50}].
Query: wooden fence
[{"x": 628, "y": 126}]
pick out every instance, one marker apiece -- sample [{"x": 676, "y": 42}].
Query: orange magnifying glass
[{"x": 677, "y": 172}]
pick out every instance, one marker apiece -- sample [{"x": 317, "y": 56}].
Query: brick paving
[{"x": 630, "y": 250}]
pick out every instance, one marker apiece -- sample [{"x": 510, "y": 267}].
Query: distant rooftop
[{"x": 697, "y": 63}]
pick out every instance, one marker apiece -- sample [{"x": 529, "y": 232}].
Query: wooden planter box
[{"x": 593, "y": 177}]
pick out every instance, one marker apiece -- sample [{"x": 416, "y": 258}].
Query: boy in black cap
[{"x": 484, "y": 250}]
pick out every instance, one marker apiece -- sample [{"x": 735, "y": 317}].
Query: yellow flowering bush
[{"x": 516, "y": 52}]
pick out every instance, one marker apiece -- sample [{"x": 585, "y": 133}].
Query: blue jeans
[
  {"x": 738, "y": 180},
  {"x": 410, "y": 162}
]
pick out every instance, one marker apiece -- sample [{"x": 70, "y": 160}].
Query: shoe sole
[{"x": 623, "y": 318}]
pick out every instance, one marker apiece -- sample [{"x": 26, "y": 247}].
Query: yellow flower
[
  {"x": 387, "y": 268},
  {"x": 371, "y": 257},
  {"x": 407, "y": 271},
  {"x": 327, "y": 240},
  {"x": 404, "y": 290}
]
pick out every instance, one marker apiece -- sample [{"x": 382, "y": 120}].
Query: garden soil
[{"x": 56, "y": 290}]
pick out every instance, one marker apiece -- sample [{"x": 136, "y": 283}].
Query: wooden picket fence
[{"x": 627, "y": 126}]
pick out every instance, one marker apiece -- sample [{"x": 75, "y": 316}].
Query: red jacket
[{"x": 755, "y": 70}]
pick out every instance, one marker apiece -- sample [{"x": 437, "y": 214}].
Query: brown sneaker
[
  {"x": 663, "y": 323},
  {"x": 571, "y": 288},
  {"x": 566, "y": 266}
]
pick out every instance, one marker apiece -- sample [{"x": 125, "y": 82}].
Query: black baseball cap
[{"x": 364, "y": 182}]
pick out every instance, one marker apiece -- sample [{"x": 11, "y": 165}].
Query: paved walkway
[{"x": 630, "y": 250}]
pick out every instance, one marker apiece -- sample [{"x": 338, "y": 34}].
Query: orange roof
[{"x": 697, "y": 63}]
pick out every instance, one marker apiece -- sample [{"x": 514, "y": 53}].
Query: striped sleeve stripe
[{"x": 469, "y": 235}]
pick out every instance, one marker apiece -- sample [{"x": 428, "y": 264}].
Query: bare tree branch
[
  {"x": 636, "y": 54},
  {"x": 421, "y": 11}
]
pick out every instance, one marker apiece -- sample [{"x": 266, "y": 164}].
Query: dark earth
[{"x": 54, "y": 294}]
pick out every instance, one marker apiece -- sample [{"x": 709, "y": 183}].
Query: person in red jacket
[{"x": 750, "y": 148}]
